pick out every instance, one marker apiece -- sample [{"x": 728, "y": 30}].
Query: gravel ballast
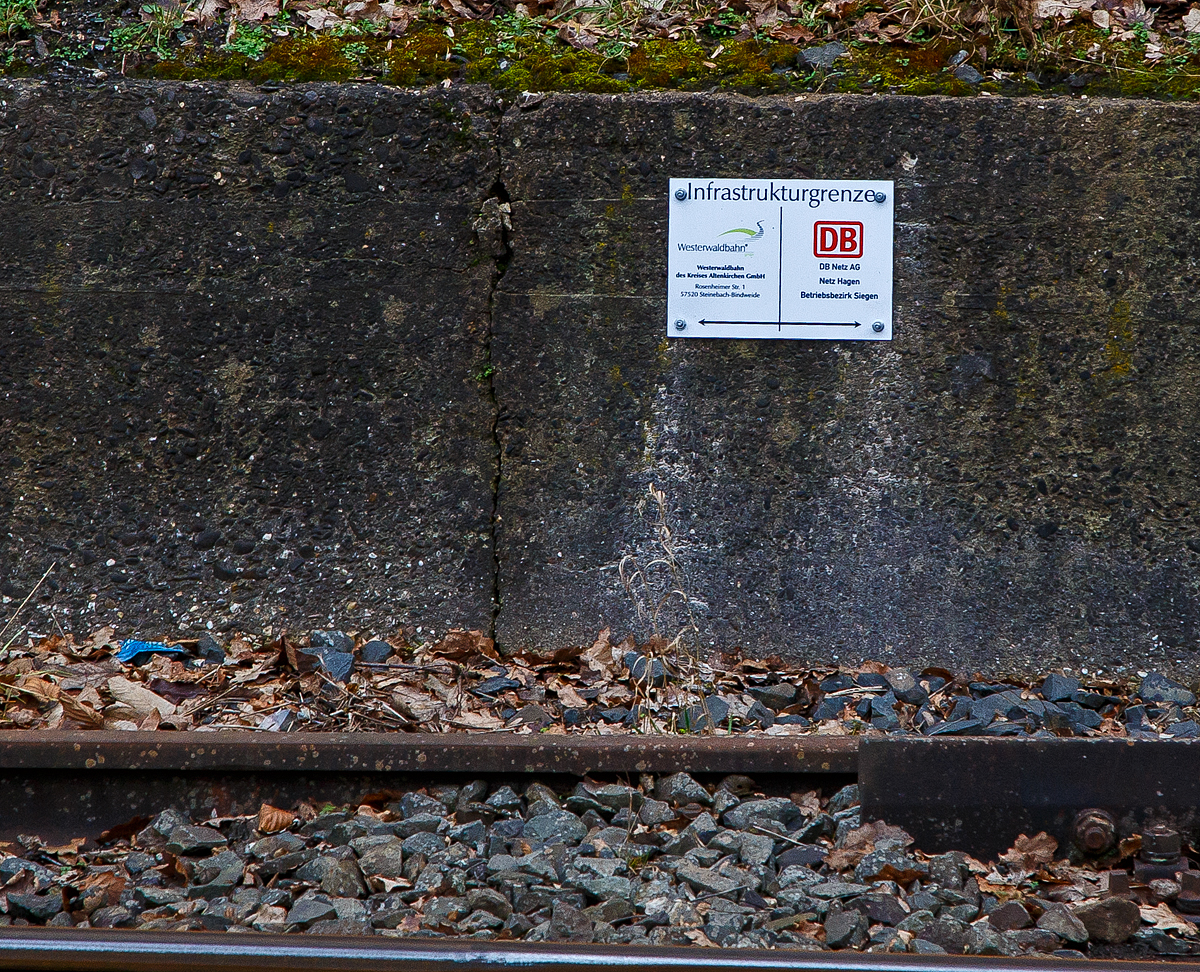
[{"x": 666, "y": 862}]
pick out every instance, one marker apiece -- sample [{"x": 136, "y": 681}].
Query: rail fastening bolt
[
  {"x": 1161, "y": 845},
  {"x": 1189, "y": 892},
  {"x": 1094, "y": 832},
  {"x": 1118, "y": 884}
]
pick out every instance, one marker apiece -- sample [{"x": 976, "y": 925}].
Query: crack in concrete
[{"x": 503, "y": 229}]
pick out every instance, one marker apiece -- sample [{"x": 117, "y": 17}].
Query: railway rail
[
  {"x": 975, "y": 795},
  {"x": 65, "y": 951}
]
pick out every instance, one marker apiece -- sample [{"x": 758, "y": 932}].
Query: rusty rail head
[
  {"x": 67, "y": 950},
  {"x": 371, "y": 752}
]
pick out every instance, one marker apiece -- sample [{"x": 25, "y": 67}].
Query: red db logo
[{"x": 837, "y": 239}]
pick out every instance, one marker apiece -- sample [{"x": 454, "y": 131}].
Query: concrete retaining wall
[{"x": 1010, "y": 483}]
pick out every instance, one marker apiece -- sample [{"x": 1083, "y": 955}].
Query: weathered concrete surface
[
  {"x": 1010, "y": 483},
  {"x": 258, "y": 392}
]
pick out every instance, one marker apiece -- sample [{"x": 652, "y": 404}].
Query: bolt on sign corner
[{"x": 807, "y": 259}]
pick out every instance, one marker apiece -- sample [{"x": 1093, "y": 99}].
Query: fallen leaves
[
  {"x": 271, "y": 820},
  {"x": 1164, "y": 919},
  {"x": 252, "y": 11},
  {"x": 1029, "y": 854},
  {"x": 138, "y": 698}
]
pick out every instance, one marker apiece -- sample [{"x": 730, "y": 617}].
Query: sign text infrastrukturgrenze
[{"x": 781, "y": 193}]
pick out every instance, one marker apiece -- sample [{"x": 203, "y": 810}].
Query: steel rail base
[{"x": 65, "y": 950}]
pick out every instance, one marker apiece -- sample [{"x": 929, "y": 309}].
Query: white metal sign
[{"x": 780, "y": 258}]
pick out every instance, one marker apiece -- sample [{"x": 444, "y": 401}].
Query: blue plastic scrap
[{"x": 136, "y": 652}]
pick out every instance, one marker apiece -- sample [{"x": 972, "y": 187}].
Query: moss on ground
[{"x": 517, "y": 55}]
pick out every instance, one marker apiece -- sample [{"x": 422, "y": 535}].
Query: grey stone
[
  {"x": 646, "y": 671},
  {"x": 112, "y": 916},
  {"x": 568, "y": 924},
  {"x": 705, "y": 879},
  {"x": 1109, "y": 920},
  {"x": 1058, "y": 688},
  {"x": 711, "y": 713},
  {"x": 774, "y": 697},
  {"x": 916, "y": 921},
  {"x": 844, "y": 799},
  {"x": 429, "y": 843},
  {"x": 905, "y": 687},
  {"x": 375, "y": 652},
  {"x": 807, "y": 854},
  {"x": 341, "y": 926},
  {"x": 982, "y": 939},
  {"x": 217, "y": 875},
  {"x": 36, "y": 907},
  {"x": 919, "y": 946},
  {"x": 948, "y": 933},
  {"x": 755, "y": 848},
  {"x": 880, "y": 908},
  {"x": 822, "y": 57},
  {"x": 778, "y": 810},
  {"x": 890, "y": 865},
  {"x": 680, "y": 789},
  {"x": 616, "y": 796},
  {"x": 485, "y": 899},
  {"x": 837, "y": 889},
  {"x": 337, "y": 876},
  {"x": 385, "y": 860},
  {"x": 189, "y": 839},
  {"x": 965, "y": 72},
  {"x": 759, "y": 715},
  {"x": 723, "y": 927},
  {"x": 949, "y": 870},
  {"x": 655, "y": 812},
  {"x": 1063, "y": 923},
  {"x": 1010, "y": 916},
  {"x": 559, "y": 825},
  {"x": 846, "y": 929},
  {"x": 414, "y": 804},
  {"x": 605, "y": 888},
  {"x": 311, "y": 909},
  {"x": 1157, "y": 688},
  {"x": 426, "y": 823}
]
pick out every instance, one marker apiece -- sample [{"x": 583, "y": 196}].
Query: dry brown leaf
[
  {"x": 271, "y": 819},
  {"x": 103, "y": 637},
  {"x": 39, "y": 688},
  {"x": 252, "y": 11},
  {"x": 82, "y": 712},
  {"x": 137, "y": 697},
  {"x": 1031, "y": 853},
  {"x": 566, "y": 693},
  {"x": 460, "y": 645},
  {"x": 318, "y": 19},
  {"x": 579, "y": 38},
  {"x": 364, "y": 10},
  {"x": 414, "y": 704},
  {"x": 477, "y": 720},
  {"x": 204, "y": 13},
  {"x": 111, "y": 883},
  {"x": 599, "y": 657},
  {"x": 793, "y": 33},
  {"x": 1163, "y": 918}
]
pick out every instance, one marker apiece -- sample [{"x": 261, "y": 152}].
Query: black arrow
[{"x": 790, "y": 323}]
